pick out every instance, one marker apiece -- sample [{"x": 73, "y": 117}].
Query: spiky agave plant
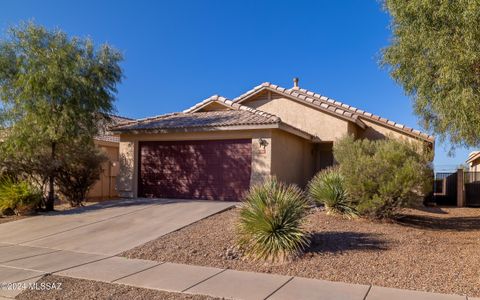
[
  {"x": 270, "y": 225},
  {"x": 328, "y": 188}
]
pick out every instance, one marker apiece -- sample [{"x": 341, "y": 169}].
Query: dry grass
[{"x": 434, "y": 249}]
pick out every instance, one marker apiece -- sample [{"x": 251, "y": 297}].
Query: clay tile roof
[
  {"x": 337, "y": 107},
  {"x": 230, "y": 104},
  {"x": 106, "y": 134},
  {"x": 360, "y": 113},
  {"x": 198, "y": 120},
  {"x": 190, "y": 118},
  {"x": 301, "y": 95}
]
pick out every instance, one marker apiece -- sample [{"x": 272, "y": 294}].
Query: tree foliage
[
  {"x": 80, "y": 167},
  {"x": 53, "y": 89},
  {"x": 385, "y": 175},
  {"x": 435, "y": 56}
]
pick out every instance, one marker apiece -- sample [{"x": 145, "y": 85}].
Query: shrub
[
  {"x": 328, "y": 188},
  {"x": 271, "y": 219},
  {"x": 79, "y": 168},
  {"x": 385, "y": 175},
  {"x": 18, "y": 196}
]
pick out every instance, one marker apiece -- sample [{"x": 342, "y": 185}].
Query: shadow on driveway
[{"x": 116, "y": 203}]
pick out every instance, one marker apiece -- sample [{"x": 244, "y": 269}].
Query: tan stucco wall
[
  {"x": 105, "y": 187},
  {"x": 126, "y": 186},
  {"x": 376, "y": 131},
  {"x": 292, "y": 158},
  {"x": 318, "y": 123},
  {"x": 325, "y": 126},
  {"x": 128, "y": 179}
]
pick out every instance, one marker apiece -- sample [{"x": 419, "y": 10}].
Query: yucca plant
[
  {"x": 328, "y": 188},
  {"x": 270, "y": 225}
]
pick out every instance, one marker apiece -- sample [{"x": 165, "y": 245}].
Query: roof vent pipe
[{"x": 295, "y": 83}]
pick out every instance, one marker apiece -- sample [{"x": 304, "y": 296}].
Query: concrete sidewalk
[{"x": 28, "y": 264}]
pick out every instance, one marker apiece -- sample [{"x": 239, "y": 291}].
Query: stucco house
[
  {"x": 473, "y": 161},
  {"x": 218, "y": 148}
]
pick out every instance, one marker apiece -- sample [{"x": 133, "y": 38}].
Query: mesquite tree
[
  {"x": 435, "y": 56},
  {"x": 53, "y": 89}
]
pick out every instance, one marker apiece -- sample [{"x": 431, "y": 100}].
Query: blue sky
[{"x": 179, "y": 52}]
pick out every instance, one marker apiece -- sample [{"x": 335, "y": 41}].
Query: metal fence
[
  {"x": 445, "y": 188},
  {"x": 472, "y": 188}
]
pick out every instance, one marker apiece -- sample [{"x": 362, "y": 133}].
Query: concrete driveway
[{"x": 108, "y": 228}]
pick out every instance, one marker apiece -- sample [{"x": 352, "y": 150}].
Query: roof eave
[
  {"x": 472, "y": 157},
  {"x": 262, "y": 88},
  {"x": 421, "y": 136},
  {"x": 198, "y": 129},
  {"x": 278, "y": 125}
]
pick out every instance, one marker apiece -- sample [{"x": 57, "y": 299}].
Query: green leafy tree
[
  {"x": 53, "y": 89},
  {"x": 384, "y": 175},
  {"x": 434, "y": 55}
]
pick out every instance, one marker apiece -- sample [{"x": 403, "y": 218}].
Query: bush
[
  {"x": 271, "y": 219},
  {"x": 18, "y": 196},
  {"x": 385, "y": 175},
  {"x": 328, "y": 188},
  {"x": 79, "y": 168}
]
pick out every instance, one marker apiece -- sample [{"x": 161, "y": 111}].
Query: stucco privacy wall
[
  {"x": 292, "y": 158},
  {"x": 318, "y": 123},
  {"x": 128, "y": 178}
]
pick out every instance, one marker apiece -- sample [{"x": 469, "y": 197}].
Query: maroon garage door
[{"x": 214, "y": 170}]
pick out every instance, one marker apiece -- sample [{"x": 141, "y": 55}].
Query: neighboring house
[
  {"x": 218, "y": 148},
  {"x": 108, "y": 142},
  {"x": 473, "y": 161}
]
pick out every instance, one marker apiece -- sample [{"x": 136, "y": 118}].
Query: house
[
  {"x": 108, "y": 142},
  {"x": 218, "y": 148},
  {"x": 473, "y": 161}
]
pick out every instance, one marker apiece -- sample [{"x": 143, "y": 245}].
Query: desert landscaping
[{"x": 432, "y": 249}]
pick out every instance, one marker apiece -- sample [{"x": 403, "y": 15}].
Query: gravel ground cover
[
  {"x": 86, "y": 289},
  {"x": 431, "y": 249}
]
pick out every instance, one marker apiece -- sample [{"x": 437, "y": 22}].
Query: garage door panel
[{"x": 214, "y": 170}]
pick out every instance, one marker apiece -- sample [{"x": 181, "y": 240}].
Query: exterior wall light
[{"x": 263, "y": 143}]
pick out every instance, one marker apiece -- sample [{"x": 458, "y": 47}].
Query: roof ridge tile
[{"x": 353, "y": 112}]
